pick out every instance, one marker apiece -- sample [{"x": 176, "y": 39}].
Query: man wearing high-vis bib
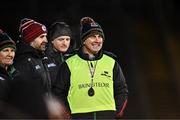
[{"x": 91, "y": 83}]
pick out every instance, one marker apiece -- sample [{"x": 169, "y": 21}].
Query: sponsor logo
[
  {"x": 38, "y": 67},
  {"x": 51, "y": 65},
  {"x": 96, "y": 84},
  {"x": 1, "y": 78},
  {"x": 105, "y": 73}
]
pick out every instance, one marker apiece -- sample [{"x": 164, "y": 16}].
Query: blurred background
[{"x": 144, "y": 34}]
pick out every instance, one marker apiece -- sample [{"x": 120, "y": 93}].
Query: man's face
[
  {"x": 93, "y": 44},
  {"x": 61, "y": 43},
  {"x": 40, "y": 42}
]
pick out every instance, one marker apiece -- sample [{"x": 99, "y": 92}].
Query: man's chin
[
  {"x": 43, "y": 48},
  {"x": 96, "y": 50}
]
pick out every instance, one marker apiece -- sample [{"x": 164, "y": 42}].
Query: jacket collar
[
  {"x": 23, "y": 48},
  {"x": 86, "y": 56}
]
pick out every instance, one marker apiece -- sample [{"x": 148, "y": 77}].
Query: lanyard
[{"x": 92, "y": 69}]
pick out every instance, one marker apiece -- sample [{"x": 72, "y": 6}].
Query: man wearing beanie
[
  {"x": 35, "y": 68},
  {"x": 90, "y": 82},
  {"x": 60, "y": 43}
]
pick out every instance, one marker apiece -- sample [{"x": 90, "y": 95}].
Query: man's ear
[{"x": 31, "y": 43}]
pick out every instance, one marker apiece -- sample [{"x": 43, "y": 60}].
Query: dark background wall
[{"x": 144, "y": 34}]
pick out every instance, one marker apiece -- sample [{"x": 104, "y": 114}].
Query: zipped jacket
[
  {"x": 63, "y": 84},
  {"x": 33, "y": 64}
]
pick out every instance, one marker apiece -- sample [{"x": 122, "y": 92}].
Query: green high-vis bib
[{"x": 80, "y": 83}]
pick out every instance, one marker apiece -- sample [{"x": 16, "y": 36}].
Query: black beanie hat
[
  {"x": 58, "y": 29},
  {"x": 6, "y": 41},
  {"x": 89, "y": 27}
]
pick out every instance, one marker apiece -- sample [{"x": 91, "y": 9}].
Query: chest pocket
[{"x": 39, "y": 70}]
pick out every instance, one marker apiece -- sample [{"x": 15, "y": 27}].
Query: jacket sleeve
[
  {"x": 61, "y": 85},
  {"x": 4, "y": 87},
  {"x": 120, "y": 90}
]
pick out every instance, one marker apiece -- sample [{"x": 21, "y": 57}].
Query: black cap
[{"x": 58, "y": 29}]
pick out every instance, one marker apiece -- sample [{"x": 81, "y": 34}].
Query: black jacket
[
  {"x": 61, "y": 88},
  {"x": 57, "y": 56},
  {"x": 5, "y": 79},
  {"x": 5, "y": 84},
  {"x": 21, "y": 95},
  {"x": 20, "y": 98},
  {"x": 35, "y": 65}
]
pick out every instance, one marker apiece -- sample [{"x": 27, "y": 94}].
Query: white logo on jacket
[
  {"x": 1, "y": 78},
  {"x": 38, "y": 67},
  {"x": 51, "y": 65}
]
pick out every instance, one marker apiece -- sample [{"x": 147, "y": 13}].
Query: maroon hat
[{"x": 30, "y": 29}]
